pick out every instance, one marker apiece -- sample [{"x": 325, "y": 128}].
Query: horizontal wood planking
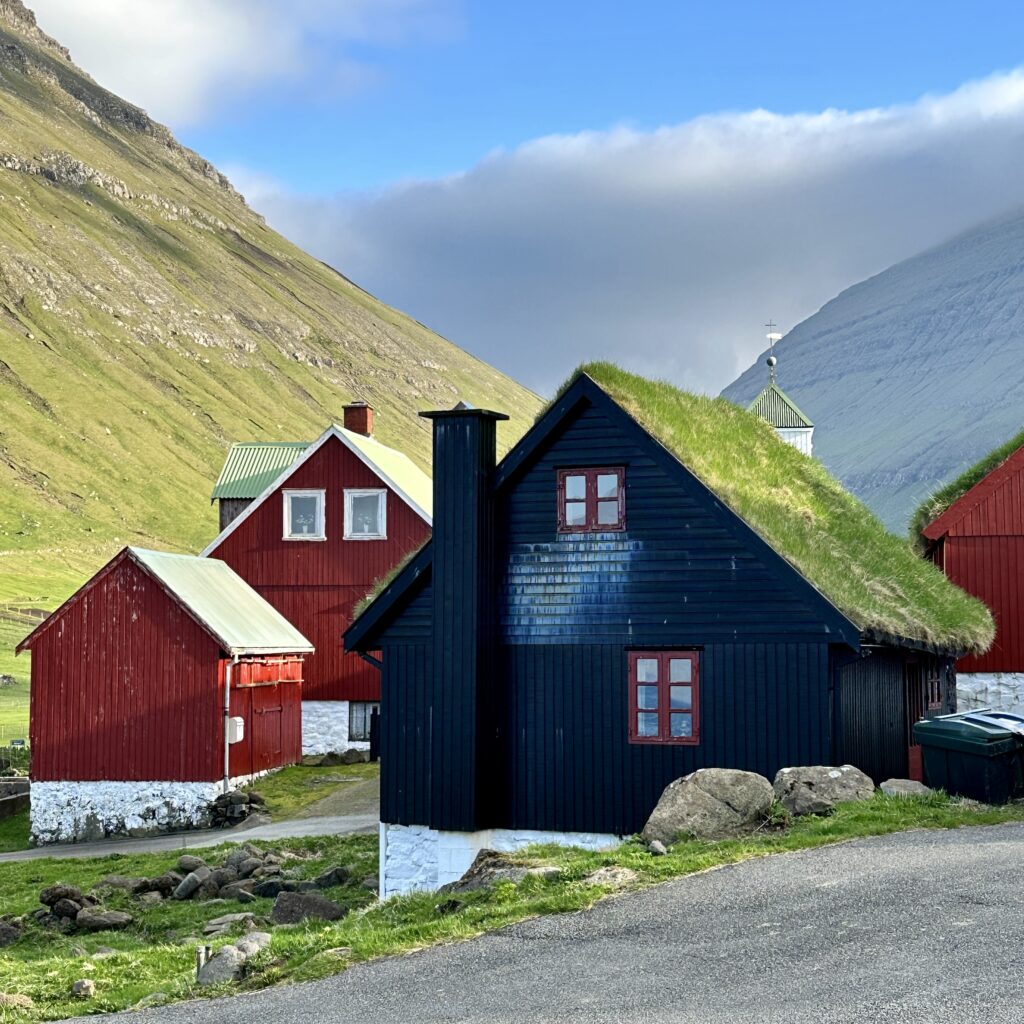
[
  {"x": 678, "y": 573},
  {"x": 316, "y": 584}
]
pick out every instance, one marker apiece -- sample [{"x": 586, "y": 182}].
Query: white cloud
[
  {"x": 667, "y": 250},
  {"x": 185, "y": 59}
]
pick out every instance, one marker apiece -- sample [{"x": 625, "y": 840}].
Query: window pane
[
  {"x": 607, "y": 485},
  {"x": 608, "y": 513},
  {"x": 646, "y": 670},
  {"x": 576, "y": 487},
  {"x": 365, "y": 513},
  {"x": 647, "y": 698},
  {"x": 575, "y": 513},
  {"x": 646, "y": 724},
  {"x": 682, "y": 725},
  {"x": 304, "y": 515},
  {"x": 679, "y": 670},
  {"x": 681, "y": 698}
]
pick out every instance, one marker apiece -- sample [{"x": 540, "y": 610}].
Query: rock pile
[
  {"x": 232, "y": 808},
  {"x": 335, "y": 758},
  {"x": 67, "y": 908}
]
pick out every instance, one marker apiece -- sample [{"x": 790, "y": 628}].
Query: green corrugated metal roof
[
  {"x": 224, "y": 604},
  {"x": 775, "y": 406},
  {"x": 252, "y": 466}
]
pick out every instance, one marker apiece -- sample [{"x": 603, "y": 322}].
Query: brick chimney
[{"x": 359, "y": 418}]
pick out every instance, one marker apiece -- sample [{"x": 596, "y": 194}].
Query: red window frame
[
  {"x": 591, "y": 473},
  {"x": 664, "y": 709}
]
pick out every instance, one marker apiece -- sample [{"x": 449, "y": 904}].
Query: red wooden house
[
  {"x": 312, "y": 527},
  {"x": 974, "y": 531},
  {"x": 161, "y": 683}
]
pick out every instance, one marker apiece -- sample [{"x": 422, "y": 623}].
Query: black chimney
[{"x": 463, "y": 742}]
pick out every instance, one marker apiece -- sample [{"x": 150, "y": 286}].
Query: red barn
[
  {"x": 312, "y": 527},
  {"x": 974, "y": 531},
  {"x": 131, "y": 731}
]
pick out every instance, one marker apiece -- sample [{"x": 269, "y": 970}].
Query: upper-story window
[
  {"x": 664, "y": 691},
  {"x": 366, "y": 515},
  {"x": 591, "y": 500},
  {"x": 304, "y": 515}
]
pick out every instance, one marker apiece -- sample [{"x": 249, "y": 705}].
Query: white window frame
[
  {"x": 382, "y": 499},
  {"x": 321, "y": 497}
]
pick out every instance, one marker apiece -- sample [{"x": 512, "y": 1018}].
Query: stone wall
[
  {"x": 81, "y": 812},
  {"x": 415, "y": 857},
  {"x": 1001, "y": 691},
  {"x": 325, "y": 727}
]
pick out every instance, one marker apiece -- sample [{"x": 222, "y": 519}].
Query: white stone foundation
[
  {"x": 1001, "y": 691},
  {"x": 415, "y": 857},
  {"x": 75, "y": 812},
  {"x": 81, "y": 812},
  {"x": 325, "y": 727}
]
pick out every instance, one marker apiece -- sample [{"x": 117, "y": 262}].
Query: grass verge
[
  {"x": 14, "y": 833},
  {"x": 293, "y": 790},
  {"x": 157, "y": 955}
]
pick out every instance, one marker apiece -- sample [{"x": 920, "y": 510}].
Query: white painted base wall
[
  {"x": 415, "y": 857},
  {"x": 1001, "y": 691},
  {"x": 325, "y": 727},
  {"x": 801, "y": 438},
  {"x": 78, "y": 812}
]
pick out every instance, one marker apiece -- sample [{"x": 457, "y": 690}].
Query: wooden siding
[
  {"x": 563, "y": 737},
  {"x": 315, "y": 584},
  {"x": 678, "y": 573},
  {"x": 876, "y": 709},
  {"x": 267, "y": 694},
  {"x": 991, "y": 568},
  {"x": 125, "y": 687}
]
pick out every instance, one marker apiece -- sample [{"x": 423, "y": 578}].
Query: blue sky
[
  {"x": 546, "y": 183},
  {"x": 498, "y": 74}
]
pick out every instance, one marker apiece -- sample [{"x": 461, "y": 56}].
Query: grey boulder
[
  {"x": 293, "y": 907},
  {"x": 710, "y": 803},
  {"x": 92, "y": 919},
  {"x": 225, "y": 965},
  {"x": 189, "y": 863},
  {"x": 818, "y": 789},
  {"x": 192, "y": 882},
  {"x": 904, "y": 787}
]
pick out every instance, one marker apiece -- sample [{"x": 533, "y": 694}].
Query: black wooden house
[{"x": 611, "y": 607}]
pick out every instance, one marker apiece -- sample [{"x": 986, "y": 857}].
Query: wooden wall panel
[{"x": 316, "y": 584}]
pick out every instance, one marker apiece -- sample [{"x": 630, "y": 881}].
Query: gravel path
[{"x": 921, "y": 928}]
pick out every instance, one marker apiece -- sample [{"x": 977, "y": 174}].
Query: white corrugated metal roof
[{"x": 223, "y": 603}]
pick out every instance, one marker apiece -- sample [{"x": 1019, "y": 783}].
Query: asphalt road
[{"x": 918, "y": 927}]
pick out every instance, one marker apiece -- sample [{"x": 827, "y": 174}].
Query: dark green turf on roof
[
  {"x": 872, "y": 576},
  {"x": 931, "y": 508}
]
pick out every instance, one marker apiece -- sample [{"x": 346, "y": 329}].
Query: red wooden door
[{"x": 267, "y": 723}]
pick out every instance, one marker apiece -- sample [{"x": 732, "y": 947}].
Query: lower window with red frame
[{"x": 664, "y": 697}]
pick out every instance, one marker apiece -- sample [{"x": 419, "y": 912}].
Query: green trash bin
[{"x": 974, "y": 754}]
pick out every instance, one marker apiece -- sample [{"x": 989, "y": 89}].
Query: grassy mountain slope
[{"x": 147, "y": 319}]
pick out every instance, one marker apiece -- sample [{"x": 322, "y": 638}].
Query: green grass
[
  {"x": 935, "y": 505},
  {"x": 292, "y": 790},
  {"x": 14, "y": 712},
  {"x": 14, "y": 833},
  {"x": 156, "y": 955},
  {"x": 872, "y": 576}
]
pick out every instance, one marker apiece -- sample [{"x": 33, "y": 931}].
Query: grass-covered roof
[
  {"x": 934, "y": 506},
  {"x": 834, "y": 541}
]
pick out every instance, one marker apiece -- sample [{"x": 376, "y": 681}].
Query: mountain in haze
[
  {"x": 914, "y": 374},
  {"x": 148, "y": 318}
]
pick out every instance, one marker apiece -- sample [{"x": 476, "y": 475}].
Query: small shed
[
  {"x": 973, "y": 530},
  {"x": 649, "y": 583},
  {"x": 161, "y": 683}
]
